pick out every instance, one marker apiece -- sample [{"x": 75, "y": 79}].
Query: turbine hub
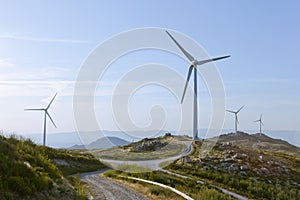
[{"x": 194, "y": 63}]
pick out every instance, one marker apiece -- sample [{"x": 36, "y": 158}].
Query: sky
[{"x": 43, "y": 45}]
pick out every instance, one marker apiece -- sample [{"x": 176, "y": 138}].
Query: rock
[
  {"x": 226, "y": 156},
  {"x": 27, "y": 164},
  {"x": 234, "y": 167},
  {"x": 243, "y": 173},
  {"x": 149, "y": 145},
  {"x": 244, "y": 167},
  {"x": 269, "y": 181},
  {"x": 228, "y": 160},
  {"x": 270, "y": 162},
  {"x": 240, "y": 156},
  {"x": 264, "y": 170}
]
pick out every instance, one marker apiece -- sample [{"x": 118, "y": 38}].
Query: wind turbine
[
  {"x": 193, "y": 66},
  {"x": 45, "y": 117},
  {"x": 260, "y": 123},
  {"x": 236, "y": 121}
]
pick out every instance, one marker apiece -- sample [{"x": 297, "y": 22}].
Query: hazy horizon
[{"x": 67, "y": 139}]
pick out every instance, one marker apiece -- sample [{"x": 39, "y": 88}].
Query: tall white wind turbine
[
  {"x": 236, "y": 120},
  {"x": 46, "y": 113},
  {"x": 193, "y": 66}
]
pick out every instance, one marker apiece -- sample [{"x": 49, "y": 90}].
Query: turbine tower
[
  {"x": 45, "y": 117},
  {"x": 236, "y": 121},
  {"x": 193, "y": 66},
  {"x": 260, "y": 123}
]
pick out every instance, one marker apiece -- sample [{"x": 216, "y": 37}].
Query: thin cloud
[
  {"x": 41, "y": 39},
  {"x": 5, "y": 63}
]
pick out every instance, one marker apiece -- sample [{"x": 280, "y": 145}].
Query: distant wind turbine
[
  {"x": 236, "y": 121},
  {"x": 45, "y": 117},
  {"x": 260, "y": 123},
  {"x": 193, "y": 66}
]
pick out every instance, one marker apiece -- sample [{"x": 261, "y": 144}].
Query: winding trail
[
  {"x": 102, "y": 188},
  {"x": 105, "y": 189}
]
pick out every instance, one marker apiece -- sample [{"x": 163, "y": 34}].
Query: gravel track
[{"x": 102, "y": 188}]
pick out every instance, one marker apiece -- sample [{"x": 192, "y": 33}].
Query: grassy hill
[
  {"x": 146, "y": 149},
  {"x": 271, "y": 171},
  {"x": 30, "y": 171},
  {"x": 260, "y": 142},
  {"x": 255, "y": 166}
]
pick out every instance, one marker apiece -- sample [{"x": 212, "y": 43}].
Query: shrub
[
  {"x": 19, "y": 185},
  {"x": 156, "y": 190}
]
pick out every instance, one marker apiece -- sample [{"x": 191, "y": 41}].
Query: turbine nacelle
[{"x": 194, "y": 63}]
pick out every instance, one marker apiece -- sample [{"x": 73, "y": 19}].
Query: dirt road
[{"x": 102, "y": 188}]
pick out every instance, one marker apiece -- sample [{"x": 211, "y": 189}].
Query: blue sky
[{"x": 44, "y": 43}]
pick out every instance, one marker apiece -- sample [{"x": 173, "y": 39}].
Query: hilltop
[
  {"x": 260, "y": 142},
  {"x": 30, "y": 171},
  {"x": 146, "y": 149}
]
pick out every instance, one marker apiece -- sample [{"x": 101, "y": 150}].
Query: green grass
[
  {"x": 132, "y": 168},
  {"x": 173, "y": 148},
  {"x": 29, "y": 170},
  {"x": 189, "y": 187},
  {"x": 73, "y": 162}
]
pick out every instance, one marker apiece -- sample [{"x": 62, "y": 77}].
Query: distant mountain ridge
[
  {"x": 260, "y": 142},
  {"x": 102, "y": 143},
  {"x": 69, "y": 139}
]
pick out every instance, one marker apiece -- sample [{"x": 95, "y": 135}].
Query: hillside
[
  {"x": 260, "y": 142},
  {"x": 235, "y": 163},
  {"x": 146, "y": 149},
  {"x": 29, "y": 171}
]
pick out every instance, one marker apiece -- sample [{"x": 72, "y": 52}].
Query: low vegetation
[
  {"x": 257, "y": 173},
  {"x": 189, "y": 187},
  {"x": 30, "y": 171},
  {"x": 253, "y": 173},
  {"x": 260, "y": 142},
  {"x": 146, "y": 149}
]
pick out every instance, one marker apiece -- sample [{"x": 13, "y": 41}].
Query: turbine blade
[
  {"x": 262, "y": 123},
  {"x": 187, "y": 82},
  {"x": 260, "y": 116},
  {"x": 34, "y": 109},
  {"x": 230, "y": 111},
  {"x": 240, "y": 109},
  {"x": 50, "y": 118},
  {"x": 51, "y": 101},
  {"x": 201, "y": 62},
  {"x": 256, "y": 121},
  {"x": 189, "y": 56},
  {"x": 237, "y": 119}
]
